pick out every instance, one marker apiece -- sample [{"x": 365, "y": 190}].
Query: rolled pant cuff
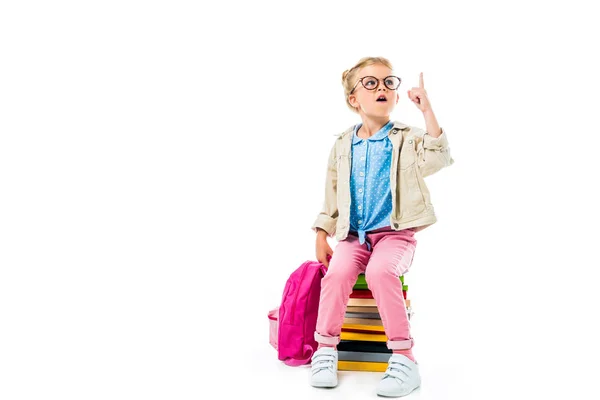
[
  {"x": 400, "y": 344},
  {"x": 327, "y": 339}
]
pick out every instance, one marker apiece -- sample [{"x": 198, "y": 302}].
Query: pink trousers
[{"x": 390, "y": 255}]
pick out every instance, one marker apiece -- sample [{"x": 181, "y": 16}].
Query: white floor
[
  {"x": 445, "y": 375},
  {"x": 440, "y": 381},
  {"x": 492, "y": 355}
]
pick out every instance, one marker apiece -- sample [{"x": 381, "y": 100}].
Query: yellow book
[
  {"x": 363, "y": 321},
  {"x": 363, "y": 327},
  {"x": 367, "y": 337},
  {"x": 362, "y": 366}
]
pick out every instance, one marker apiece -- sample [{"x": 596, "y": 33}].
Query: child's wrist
[{"x": 321, "y": 233}]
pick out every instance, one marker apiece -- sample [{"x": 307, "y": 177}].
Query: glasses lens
[
  {"x": 370, "y": 82},
  {"x": 392, "y": 82}
]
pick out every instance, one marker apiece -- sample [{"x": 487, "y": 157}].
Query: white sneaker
[
  {"x": 324, "y": 364},
  {"x": 401, "y": 377}
]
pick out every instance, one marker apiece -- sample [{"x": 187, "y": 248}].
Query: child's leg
[
  {"x": 392, "y": 256},
  {"x": 348, "y": 260}
]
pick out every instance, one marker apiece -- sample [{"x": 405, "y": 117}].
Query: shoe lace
[
  {"x": 322, "y": 361},
  {"x": 398, "y": 370}
]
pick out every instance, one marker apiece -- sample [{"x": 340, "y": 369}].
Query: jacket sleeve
[
  {"x": 328, "y": 216},
  {"x": 433, "y": 154}
]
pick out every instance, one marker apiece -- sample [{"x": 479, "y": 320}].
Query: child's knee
[
  {"x": 380, "y": 273},
  {"x": 338, "y": 277}
]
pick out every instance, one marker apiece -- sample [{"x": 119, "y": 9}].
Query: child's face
[{"x": 366, "y": 100}]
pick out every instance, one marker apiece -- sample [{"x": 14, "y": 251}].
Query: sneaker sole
[
  {"x": 324, "y": 384},
  {"x": 384, "y": 394}
]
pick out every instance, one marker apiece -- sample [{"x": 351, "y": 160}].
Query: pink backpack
[{"x": 293, "y": 323}]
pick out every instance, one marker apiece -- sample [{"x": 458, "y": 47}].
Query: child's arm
[
  {"x": 327, "y": 218},
  {"x": 433, "y": 153}
]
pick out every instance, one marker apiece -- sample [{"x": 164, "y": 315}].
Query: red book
[{"x": 361, "y": 294}]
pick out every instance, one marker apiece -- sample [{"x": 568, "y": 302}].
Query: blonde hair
[{"x": 349, "y": 76}]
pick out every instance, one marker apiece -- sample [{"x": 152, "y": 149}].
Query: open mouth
[{"x": 381, "y": 98}]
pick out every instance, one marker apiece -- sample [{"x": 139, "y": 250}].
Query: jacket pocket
[
  {"x": 408, "y": 154},
  {"x": 412, "y": 198}
]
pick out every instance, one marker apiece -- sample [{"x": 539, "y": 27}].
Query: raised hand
[{"x": 418, "y": 95}]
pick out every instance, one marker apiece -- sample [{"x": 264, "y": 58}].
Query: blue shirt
[{"x": 371, "y": 196}]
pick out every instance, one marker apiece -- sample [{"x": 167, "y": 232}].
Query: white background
[{"x": 161, "y": 164}]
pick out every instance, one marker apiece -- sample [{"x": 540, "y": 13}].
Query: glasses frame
[{"x": 378, "y": 82}]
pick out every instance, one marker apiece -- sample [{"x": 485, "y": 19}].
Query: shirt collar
[{"x": 381, "y": 134}]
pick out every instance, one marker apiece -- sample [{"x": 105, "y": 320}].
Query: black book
[{"x": 363, "y": 346}]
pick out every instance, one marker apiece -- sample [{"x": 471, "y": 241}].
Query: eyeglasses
[{"x": 371, "y": 83}]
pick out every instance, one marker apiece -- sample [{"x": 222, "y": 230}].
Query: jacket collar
[{"x": 395, "y": 128}]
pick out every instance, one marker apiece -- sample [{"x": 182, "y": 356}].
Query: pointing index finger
[{"x": 421, "y": 80}]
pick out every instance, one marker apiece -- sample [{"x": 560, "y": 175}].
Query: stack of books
[{"x": 363, "y": 343}]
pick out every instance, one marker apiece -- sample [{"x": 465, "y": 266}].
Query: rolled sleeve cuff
[
  {"x": 438, "y": 143},
  {"x": 326, "y": 223}
]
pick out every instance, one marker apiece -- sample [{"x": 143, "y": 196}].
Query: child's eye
[{"x": 370, "y": 83}]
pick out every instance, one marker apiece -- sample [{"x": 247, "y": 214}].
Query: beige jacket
[{"x": 416, "y": 155}]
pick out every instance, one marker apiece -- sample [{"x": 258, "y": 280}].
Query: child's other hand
[
  {"x": 418, "y": 95},
  {"x": 323, "y": 250}
]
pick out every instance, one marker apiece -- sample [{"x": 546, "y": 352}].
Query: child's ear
[
  {"x": 352, "y": 100},
  {"x": 397, "y": 97}
]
